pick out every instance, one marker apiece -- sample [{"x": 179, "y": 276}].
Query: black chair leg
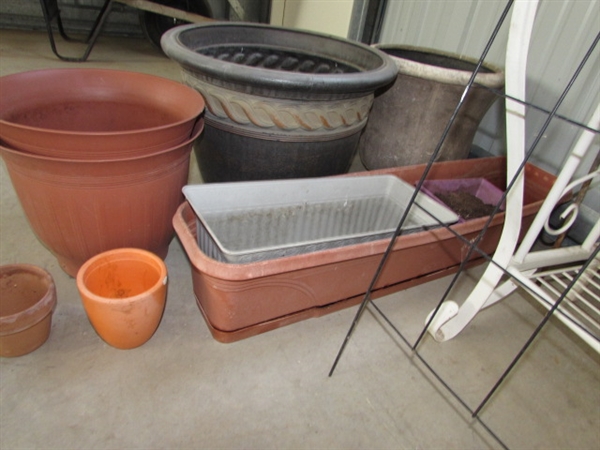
[{"x": 51, "y": 13}]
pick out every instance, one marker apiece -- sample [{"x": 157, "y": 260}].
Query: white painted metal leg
[
  {"x": 521, "y": 25},
  {"x": 562, "y": 183}
]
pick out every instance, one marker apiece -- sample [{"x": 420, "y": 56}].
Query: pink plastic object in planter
[{"x": 478, "y": 187}]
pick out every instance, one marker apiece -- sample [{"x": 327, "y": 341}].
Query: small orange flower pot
[
  {"x": 27, "y": 301},
  {"x": 124, "y": 292}
]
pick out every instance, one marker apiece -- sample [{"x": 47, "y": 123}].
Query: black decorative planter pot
[{"x": 281, "y": 103}]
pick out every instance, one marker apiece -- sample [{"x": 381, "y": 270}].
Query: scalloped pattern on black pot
[
  {"x": 281, "y": 103},
  {"x": 268, "y": 58}
]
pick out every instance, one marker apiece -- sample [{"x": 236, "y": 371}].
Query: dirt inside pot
[
  {"x": 466, "y": 205},
  {"x": 121, "y": 278},
  {"x": 20, "y": 291}
]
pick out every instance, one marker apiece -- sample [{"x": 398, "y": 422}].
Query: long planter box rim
[
  {"x": 374, "y": 68},
  {"x": 185, "y": 218},
  {"x": 258, "y": 269}
]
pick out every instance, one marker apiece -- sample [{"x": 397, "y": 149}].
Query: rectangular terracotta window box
[{"x": 243, "y": 300}]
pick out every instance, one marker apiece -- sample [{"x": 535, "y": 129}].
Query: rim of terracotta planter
[
  {"x": 34, "y": 313},
  {"x": 444, "y": 67},
  {"x": 30, "y": 93},
  {"x": 198, "y": 128},
  {"x": 370, "y": 68},
  {"x": 124, "y": 253}
]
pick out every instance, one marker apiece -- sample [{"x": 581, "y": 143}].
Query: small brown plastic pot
[
  {"x": 79, "y": 209},
  {"x": 27, "y": 301},
  {"x": 124, "y": 292},
  {"x": 95, "y": 113}
]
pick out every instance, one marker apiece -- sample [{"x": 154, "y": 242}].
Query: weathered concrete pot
[
  {"x": 408, "y": 119},
  {"x": 281, "y": 103},
  {"x": 95, "y": 113},
  {"x": 27, "y": 301},
  {"x": 81, "y": 208}
]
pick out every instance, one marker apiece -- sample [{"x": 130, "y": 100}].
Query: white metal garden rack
[{"x": 570, "y": 281}]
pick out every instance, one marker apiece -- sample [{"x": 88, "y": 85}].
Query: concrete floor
[{"x": 182, "y": 389}]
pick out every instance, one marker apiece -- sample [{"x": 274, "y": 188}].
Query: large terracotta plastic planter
[
  {"x": 281, "y": 102},
  {"x": 408, "y": 118},
  {"x": 27, "y": 301},
  {"x": 124, "y": 292},
  {"x": 95, "y": 113},
  {"x": 81, "y": 208},
  {"x": 242, "y": 300}
]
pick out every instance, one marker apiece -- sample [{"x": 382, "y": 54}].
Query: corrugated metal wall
[{"x": 564, "y": 30}]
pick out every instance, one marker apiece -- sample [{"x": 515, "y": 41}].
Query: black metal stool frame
[{"x": 52, "y": 12}]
